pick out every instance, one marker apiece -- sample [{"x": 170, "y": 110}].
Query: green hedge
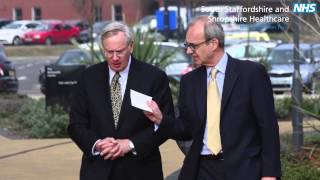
[
  {"x": 43, "y": 123},
  {"x": 283, "y": 106},
  {"x": 29, "y": 118}
]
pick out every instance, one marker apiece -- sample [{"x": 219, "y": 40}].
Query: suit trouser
[{"x": 211, "y": 169}]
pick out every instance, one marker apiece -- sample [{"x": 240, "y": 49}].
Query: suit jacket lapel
[
  {"x": 229, "y": 81},
  {"x": 201, "y": 93},
  {"x": 103, "y": 95},
  {"x": 126, "y": 102}
]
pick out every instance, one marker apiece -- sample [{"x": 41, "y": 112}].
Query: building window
[
  {"x": 117, "y": 12},
  {"x": 98, "y": 13},
  {"x": 36, "y": 13},
  {"x": 17, "y": 13}
]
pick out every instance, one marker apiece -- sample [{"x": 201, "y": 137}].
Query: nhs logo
[{"x": 304, "y": 7}]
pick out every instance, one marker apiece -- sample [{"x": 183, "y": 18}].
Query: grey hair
[
  {"x": 114, "y": 28},
  {"x": 212, "y": 29}
]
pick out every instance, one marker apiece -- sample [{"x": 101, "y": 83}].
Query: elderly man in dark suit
[
  {"x": 226, "y": 106},
  {"x": 118, "y": 141}
]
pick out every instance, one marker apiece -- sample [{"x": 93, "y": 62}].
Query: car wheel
[
  {"x": 16, "y": 41},
  {"x": 48, "y": 41}
]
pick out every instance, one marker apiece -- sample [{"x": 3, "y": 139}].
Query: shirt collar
[
  {"x": 124, "y": 73},
  {"x": 221, "y": 66}
]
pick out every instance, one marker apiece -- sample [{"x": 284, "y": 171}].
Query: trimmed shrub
[
  {"x": 39, "y": 122},
  {"x": 282, "y": 107}
]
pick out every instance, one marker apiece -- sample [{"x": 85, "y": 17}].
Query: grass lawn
[{"x": 37, "y": 50}]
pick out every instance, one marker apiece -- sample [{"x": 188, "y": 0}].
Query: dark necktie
[{"x": 116, "y": 99}]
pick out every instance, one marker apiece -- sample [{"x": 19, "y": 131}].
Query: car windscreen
[
  {"x": 286, "y": 56},
  {"x": 12, "y": 26},
  {"x": 43, "y": 27},
  {"x": 73, "y": 58}
]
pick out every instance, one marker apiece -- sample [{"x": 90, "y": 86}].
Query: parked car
[
  {"x": 243, "y": 35},
  {"x": 8, "y": 77},
  {"x": 179, "y": 62},
  {"x": 74, "y": 58},
  {"x": 256, "y": 50},
  {"x": 79, "y": 24},
  {"x": 269, "y": 27},
  {"x": 12, "y": 33},
  {"x": 4, "y": 22},
  {"x": 281, "y": 61},
  {"x": 51, "y": 32},
  {"x": 84, "y": 35}
]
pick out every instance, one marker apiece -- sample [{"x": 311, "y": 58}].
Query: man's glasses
[
  {"x": 193, "y": 46},
  {"x": 118, "y": 53}
]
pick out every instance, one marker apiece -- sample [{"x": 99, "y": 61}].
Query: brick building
[{"x": 129, "y": 11}]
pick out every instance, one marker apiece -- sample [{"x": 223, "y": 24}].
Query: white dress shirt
[
  {"x": 123, "y": 83},
  {"x": 123, "y": 77},
  {"x": 221, "y": 66}
]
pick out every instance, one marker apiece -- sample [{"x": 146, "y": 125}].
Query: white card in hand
[{"x": 140, "y": 100}]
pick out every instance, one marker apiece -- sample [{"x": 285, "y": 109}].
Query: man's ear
[
  {"x": 214, "y": 43},
  {"x": 131, "y": 47}
]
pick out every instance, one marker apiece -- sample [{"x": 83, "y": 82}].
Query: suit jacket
[
  {"x": 91, "y": 119},
  {"x": 248, "y": 126}
]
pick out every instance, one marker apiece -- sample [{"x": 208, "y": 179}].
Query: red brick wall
[{"x": 133, "y": 10}]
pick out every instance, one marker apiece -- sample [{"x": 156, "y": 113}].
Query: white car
[{"x": 13, "y": 32}]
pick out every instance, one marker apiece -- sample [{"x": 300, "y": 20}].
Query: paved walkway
[{"x": 52, "y": 159}]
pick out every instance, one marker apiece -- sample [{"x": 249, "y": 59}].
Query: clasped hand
[{"x": 112, "y": 149}]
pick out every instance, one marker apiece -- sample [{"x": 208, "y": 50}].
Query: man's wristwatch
[{"x": 132, "y": 149}]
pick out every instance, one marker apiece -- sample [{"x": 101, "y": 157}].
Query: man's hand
[
  {"x": 156, "y": 115},
  {"x": 268, "y": 178},
  {"x": 113, "y": 149},
  {"x": 123, "y": 149},
  {"x": 107, "y": 147}
]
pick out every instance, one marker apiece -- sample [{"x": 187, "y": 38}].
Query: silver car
[{"x": 281, "y": 61}]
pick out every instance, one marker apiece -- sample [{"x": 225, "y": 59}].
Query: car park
[
  {"x": 12, "y": 33},
  {"x": 281, "y": 61},
  {"x": 51, "y": 32},
  {"x": 8, "y": 78},
  {"x": 257, "y": 51}
]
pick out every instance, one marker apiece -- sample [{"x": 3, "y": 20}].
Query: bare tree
[{"x": 87, "y": 9}]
